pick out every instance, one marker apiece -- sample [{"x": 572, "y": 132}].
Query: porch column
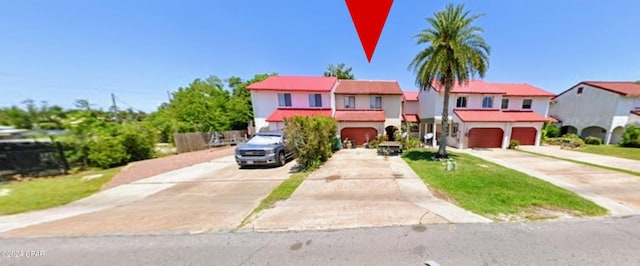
[{"x": 434, "y": 138}]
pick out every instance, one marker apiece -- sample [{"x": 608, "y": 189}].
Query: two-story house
[
  {"x": 278, "y": 97},
  {"x": 366, "y": 108},
  {"x": 410, "y": 110},
  {"x": 485, "y": 115},
  {"x": 598, "y": 109}
]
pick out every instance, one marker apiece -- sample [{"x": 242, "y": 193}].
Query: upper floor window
[
  {"x": 376, "y": 102},
  {"x": 315, "y": 100},
  {"x": 505, "y": 104},
  {"x": 487, "y": 102},
  {"x": 580, "y": 89},
  {"x": 461, "y": 102},
  {"x": 526, "y": 104},
  {"x": 284, "y": 99},
  {"x": 349, "y": 102}
]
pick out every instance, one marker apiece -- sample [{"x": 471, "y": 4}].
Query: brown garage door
[
  {"x": 358, "y": 134},
  {"x": 524, "y": 135},
  {"x": 485, "y": 138}
]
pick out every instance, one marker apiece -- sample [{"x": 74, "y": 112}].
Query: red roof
[
  {"x": 412, "y": 118},
  {"x": 294, "y": 83},
  {"x": 346, "y": 86},
  {"x": 508, "y": 89},
  {"x": 473, "y": 86},
  {"x": 359, "y": 115},
  {"x": 281, "y": 113},
  {"x": 522, "y": 90},
  {"x": 410, "y": 96},
  {"x": 626, "y": 88},
  {"x": 498, "y": 116}
]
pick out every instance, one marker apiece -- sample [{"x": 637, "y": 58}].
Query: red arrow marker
[{"x": 369, "y": 17}]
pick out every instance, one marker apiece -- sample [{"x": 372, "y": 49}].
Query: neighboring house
[
  {"x": 485, "y": 115},
  {"x": 598, "y": 109},
  {"x": 410, "y": 109},
  {"x": 278, "y": 97},
  {"x": 365, "y": 109}
]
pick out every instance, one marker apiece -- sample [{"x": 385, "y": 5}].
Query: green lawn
[
  {"x": 613, "y": 150},
  {"x": 42, "y": 193},
  {"x": 492, "y": 190}
]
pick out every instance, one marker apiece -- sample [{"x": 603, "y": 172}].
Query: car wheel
[{"x": 282, "y": 160}]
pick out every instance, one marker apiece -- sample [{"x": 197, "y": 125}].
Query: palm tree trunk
[{"x": 442, "y": 148}]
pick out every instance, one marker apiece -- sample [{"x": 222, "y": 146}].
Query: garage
[
  {"x": 485, "y": 138},
  {"x": 358, "y": 134},
  {"x": 524, "y": 135}
]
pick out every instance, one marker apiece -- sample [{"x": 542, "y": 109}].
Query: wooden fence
[{"x": 195, "y": 141}]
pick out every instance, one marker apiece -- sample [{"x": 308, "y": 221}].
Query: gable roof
[
  {"x": 410, "y": 96},
  {"x": 506, "y": 89},
  {"x": 494, "y": 115},
  {"x": 378, "y": 87},
  {"x": 295, "y": 83},
  {"x": 624, "y": 88}
]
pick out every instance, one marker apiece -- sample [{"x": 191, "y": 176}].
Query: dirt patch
[
  {"x": 332, "y": 178},
  {"x": 537, "y": 214},
  {"x": 442, "y": 195}
]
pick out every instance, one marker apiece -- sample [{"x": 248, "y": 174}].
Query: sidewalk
[
  {"x": 609, "y": 161},
  {"x": 118, "y": 196}
]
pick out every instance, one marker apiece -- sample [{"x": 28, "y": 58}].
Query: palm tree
[{"x": 456, "y": 52}]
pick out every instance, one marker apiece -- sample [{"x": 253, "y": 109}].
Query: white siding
[
  {"x": 539, "y": 105},
  {"x": 411, "y": 108},
  {"x": 266, "y": 102},
  {"x": 427, "y": 103},
  {"x": 593, "y": 107}
]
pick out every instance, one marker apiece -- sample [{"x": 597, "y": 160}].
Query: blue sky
[{"x": 59, "y": 51}]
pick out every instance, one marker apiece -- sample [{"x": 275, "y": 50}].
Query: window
[
  {"x": 315, "y": 100},
  {"x": 376, "y": 102},
  {"x": 487, "y": 102},
  {"x": 284, "y": 99},
  {"x": 526, "y": 104},
  {"x": 461, "y": 102},
  {"x": 413, "y": 127},
  {"x": 349, "y": 102},
  {"x": 505, "y": 104},
  {"x": 580, "y": 90},
  {"x": 454, "y": 130}
]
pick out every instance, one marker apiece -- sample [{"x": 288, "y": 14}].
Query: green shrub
[
  {"x": 593, "y": 141},
  {"x": 571, "y": 136},
  {"x": 138, "y": 141},
  {"x": 107, "y": 152},
  {"x": 311, "y": 138},
  {"x": 513, "y": 144},
  {"x": 631, "y": 137},
  {"x": 550, "y": 131},
  {"x": 411, "y": 142}
]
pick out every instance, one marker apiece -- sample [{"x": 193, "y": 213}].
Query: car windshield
[{"x": 264, "y": 140}]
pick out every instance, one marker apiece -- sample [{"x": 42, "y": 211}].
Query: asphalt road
[{"x": 611, "y": 241}]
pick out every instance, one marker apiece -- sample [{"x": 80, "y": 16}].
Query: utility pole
[{"x": 115, "y": 107}]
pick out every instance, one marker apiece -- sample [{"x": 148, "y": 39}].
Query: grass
[
  {"x": 281, "y": 192},
  {"x": 492, "y": 190},
  {"x": 584, "y": 163},
  {"x": 613, "y": 150},
  {"x": 47, "y": 192}
]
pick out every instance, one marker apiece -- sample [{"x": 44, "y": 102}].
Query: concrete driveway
[
  {"x": 615, "y": 191},
  {"x": 357, "y": 188},
  {"x": 215, "y": 200}
]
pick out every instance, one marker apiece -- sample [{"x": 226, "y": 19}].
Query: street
[{"x": 606, "y": 241}]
